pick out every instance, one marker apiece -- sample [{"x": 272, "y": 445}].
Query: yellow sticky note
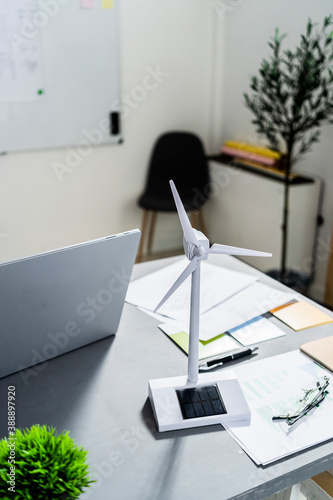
[
  {"x": 300, "y": 315},
  {"x": 107, "y": 4}
]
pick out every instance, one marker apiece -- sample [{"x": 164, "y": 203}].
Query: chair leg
[
  {"x": 143, "y": 235},
  {"x": 196, "y": 218},
  {"x": 193, "y": 219},
  {"x": 197, "y": 221},
  {"x": 151, "y": 232},
  {"x": 202, "y": 222}
]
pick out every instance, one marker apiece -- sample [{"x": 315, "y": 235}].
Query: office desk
[{"x": 99, "y": 394}]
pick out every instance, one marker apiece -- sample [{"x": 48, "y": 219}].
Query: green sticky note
[{"x": 213, "y": 347}]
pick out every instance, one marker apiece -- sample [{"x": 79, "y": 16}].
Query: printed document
[{"x": 270, "y": 385}]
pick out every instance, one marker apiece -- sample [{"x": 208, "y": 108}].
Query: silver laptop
[{"x": 55, "y": 302}]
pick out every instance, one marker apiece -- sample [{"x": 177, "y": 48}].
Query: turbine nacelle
[{"x": 200, "y": 250}]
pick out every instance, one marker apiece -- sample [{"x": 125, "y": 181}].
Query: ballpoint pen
[{"x": 213, "y": 363}]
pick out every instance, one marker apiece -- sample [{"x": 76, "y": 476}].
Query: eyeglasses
[{"x": 314, "y": 394}]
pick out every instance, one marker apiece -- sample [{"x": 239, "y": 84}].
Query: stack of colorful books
[{"x": 251, "y": 154}]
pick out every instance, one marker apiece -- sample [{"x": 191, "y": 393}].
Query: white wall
[
  {"x": 97, "y": 194},
  {"x": 245, "y": 27},
  {"x": 209, "y": 49}
]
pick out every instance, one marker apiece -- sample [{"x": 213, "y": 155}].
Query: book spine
[
  {"x": 243, "y": 146},
  {"x": 247, "y": 155}
]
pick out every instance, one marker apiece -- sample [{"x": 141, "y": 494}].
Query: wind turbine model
[{"x": 207, "y": 399}]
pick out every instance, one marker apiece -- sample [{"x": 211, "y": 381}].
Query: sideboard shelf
[{"x": 246, "y": 209}]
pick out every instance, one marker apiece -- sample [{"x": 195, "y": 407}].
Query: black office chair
[{"x": 179, "y": 156}]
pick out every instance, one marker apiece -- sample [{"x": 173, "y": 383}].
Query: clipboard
[{"x": 320, "y": 350}]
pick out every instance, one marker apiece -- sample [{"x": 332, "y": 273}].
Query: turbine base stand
[{"x": 214, "y": 399}]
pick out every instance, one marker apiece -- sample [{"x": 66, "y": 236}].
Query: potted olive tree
[
  {"x": 292, "y": 96},
  {"x": 37, "y": 464}
]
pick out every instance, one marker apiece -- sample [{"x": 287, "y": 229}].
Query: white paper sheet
[
  {"x": 269, "y": 385},
  {"x": 257, "y": 330},
  {"x": 253, "y": 301},
  {"x": 217, "y": 285},
  {"x": 234, "y": 312}
]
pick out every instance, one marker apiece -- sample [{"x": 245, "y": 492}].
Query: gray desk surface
[{"x": 99, "y": 394}]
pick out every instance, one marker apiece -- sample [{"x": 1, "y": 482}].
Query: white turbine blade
[
  {"x": 227, "y": 250},
  {"x": 184, "y": 220},
  {"x": 185, "y": 274}
]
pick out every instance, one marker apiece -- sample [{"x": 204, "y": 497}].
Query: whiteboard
[{"x": 73, "y": 96}]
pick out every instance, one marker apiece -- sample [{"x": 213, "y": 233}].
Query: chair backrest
[{"x": 179, "y": 156}]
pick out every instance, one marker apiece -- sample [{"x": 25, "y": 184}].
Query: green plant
[
  {"x": 47, "y": 466},
  {"x": 293, "y": 96}
]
